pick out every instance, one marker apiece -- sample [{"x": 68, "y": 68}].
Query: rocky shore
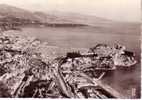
[{"x": 27, "y": 64}]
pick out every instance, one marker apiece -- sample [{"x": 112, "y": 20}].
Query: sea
[{"x": 125, "y": 80}]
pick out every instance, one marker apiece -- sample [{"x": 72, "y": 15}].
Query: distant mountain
[
  {"x": 7, "y": 11},
  {"x": 55, "y": 17},
  {"x": 11, "y": 11},
  {"x": 50, "y": 17},
  {"x": 41, "y": 16},
  {"x": 78, "y": 18},
  {"x": 74, "y": 18}
]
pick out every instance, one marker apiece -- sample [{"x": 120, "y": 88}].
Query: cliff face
[{"x": 27, "y": 64}]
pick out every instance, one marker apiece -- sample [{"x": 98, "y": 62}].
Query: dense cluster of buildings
[{"x": 23, "y": 69}]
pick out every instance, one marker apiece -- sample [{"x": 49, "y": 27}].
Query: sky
[{"x": 119, "y": 10}]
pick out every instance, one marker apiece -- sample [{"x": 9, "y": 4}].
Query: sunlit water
[{"x": 124, "y": 80}]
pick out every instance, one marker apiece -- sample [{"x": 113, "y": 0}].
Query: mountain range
[
  {"x": 55, "y": 17},
  {"x": 49, "y": 17}
]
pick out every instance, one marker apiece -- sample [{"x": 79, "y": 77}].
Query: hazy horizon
[{"x": 119, "y": 10}]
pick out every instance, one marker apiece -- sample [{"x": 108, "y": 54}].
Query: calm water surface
[{"x": 124, "y": 80}]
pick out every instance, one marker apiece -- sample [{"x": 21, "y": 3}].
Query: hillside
[
  {"x": 55, "y": 18},
  {"x": 6, "y": 10},
  {"x": 49, "y": 17}
]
